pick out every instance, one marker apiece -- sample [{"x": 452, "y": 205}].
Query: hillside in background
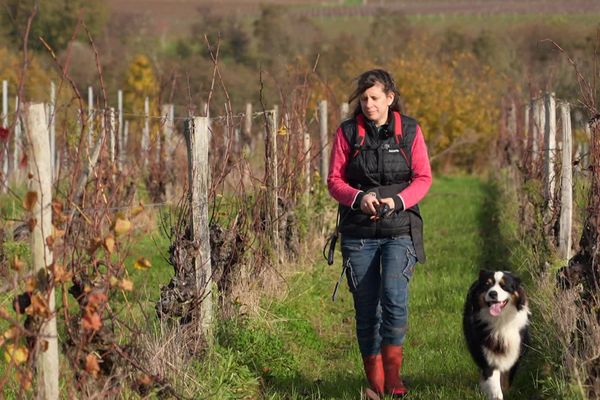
[{"x": 177, "y": 15}]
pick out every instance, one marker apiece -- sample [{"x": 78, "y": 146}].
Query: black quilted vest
[{"x": 380, "y": 162}]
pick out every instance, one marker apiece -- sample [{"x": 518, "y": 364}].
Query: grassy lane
[{"x": 303, "y": 346}]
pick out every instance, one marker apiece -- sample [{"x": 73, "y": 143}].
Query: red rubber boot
[
  {"x": 374, "y": 370},
  {"x": 392, "y": 364}
]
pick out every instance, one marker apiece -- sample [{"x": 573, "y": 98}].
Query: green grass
[{"x": 303, "y": 346}]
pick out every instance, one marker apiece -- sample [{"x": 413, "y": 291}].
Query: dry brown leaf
[
  {"x": 94, "y": 244},
  {"x": 96, "y": 298},
  {"x": 31, "y": 224},
  {"x": 30, "y": 200},
  {"x": 50, "y": 241},
  {"x": 57, "y": 207},
  {"x": 92, "y": 366},
  {"x": 25, "y": 377},
  {"x": 38, "y": 306},
  {"x": 17, "y": 264},
  {"x": 91, "y": 321},
  {"x": 61, "y": 275},
  {"x": 145, "y": 379},
  {"x": 30, "y": 284}
]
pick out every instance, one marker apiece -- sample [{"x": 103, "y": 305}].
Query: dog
[{"x": 495, "y": 325}]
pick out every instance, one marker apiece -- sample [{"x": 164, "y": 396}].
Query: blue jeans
[{"x": 378, "y": 272}]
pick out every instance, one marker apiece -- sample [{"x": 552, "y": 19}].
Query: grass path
[{"x": 304, "y": 346}]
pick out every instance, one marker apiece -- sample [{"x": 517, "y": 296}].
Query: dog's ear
[
  {"x": 483, "y": 273},
  {"x": 521, "y": 298},
  {"x": 513, "y": 276}
]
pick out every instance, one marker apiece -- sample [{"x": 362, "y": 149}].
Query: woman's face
[{"x": 375, "y": 103}]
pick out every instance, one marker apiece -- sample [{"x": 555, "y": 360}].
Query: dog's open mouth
[{"x": 496, "y": 307}]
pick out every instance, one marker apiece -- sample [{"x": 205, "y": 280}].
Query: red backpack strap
[
  {"x": 397, "y": 127},
  {"x": 360, "y": 133}
]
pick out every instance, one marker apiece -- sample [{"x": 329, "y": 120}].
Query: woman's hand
[
  {"x": 389, "y": 202},
  {"x": 369, "y": 204}
]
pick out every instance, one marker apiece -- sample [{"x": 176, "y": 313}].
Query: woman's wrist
[{"x": 358, "y": 200}]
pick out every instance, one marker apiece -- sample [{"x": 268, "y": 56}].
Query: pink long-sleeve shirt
[{"x": 346, "y": 195}]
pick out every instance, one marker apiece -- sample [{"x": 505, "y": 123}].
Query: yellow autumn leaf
[
  {"x": 109, "y": 244},
  {"x": 58, "y": 233},
  {"x": 11, "y": 333},
  {"x": 15, "y": 354},
  {"x": 137, "y": 210},
  {"x": 142, "y": 263},
  {"x": 126, "y": 284},
  {"x": 121, "y": 226},
  {"x": 114, "y": 281}
]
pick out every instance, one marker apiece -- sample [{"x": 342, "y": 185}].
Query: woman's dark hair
[{"x": 367, "y": 80}]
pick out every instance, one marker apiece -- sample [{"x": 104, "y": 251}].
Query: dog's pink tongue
[{"x": 496, "y": 309}]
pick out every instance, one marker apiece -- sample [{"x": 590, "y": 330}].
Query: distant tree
[
  {"x": 54, "y": 21},
  {"x": 388, "y": 35},
  {"x": 454, "y": 41},
  {"x": 227, "y": 31},
  {"x": 140, "y": 83},
  {"x": 271, "y": 33},
  {"x": 37, "y": 79}
]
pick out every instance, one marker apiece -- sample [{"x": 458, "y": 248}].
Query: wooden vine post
[
  {"x": 323, "y": 134},
  {"x": 41, "y": 183},
  {"x": 271, "y": 180},
  {"x": 306, "y": 145},
  {"x": 197, "y": 141},
  {"x": 566, "y": 184},
  {"x": 549, "y": 148}
]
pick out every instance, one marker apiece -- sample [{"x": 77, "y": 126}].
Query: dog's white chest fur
[{"x": 504, "y": 345}]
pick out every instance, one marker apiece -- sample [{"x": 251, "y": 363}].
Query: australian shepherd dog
[{"x": 495, "y": 324}]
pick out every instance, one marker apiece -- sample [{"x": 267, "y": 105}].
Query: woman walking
[{"x": 379, "y": 171}]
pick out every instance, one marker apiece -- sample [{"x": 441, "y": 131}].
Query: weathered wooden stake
[
  {"x": 324, "y": 140},
  {"x": 125, "y": 140},
  {"x": 526, "y": 127},
  {"x": 248, "y": 121},
  {"x": 111, "y": 129},
  {"x": 586, "y": 146},
  {"x": 146, "y": 132},
  {"x": 17, "y": 148},
  {"x": 271, "y": 179},
  {"x": 90, "y": 117},
  {"x": 196, "y": 136},
  {"x": 5, "y": 149},
  {"x": 52, "y": 127},
  {"x": 120, "y": 133},
  {"x": 168, "y": 113},
  {"x": 344, "y": 111},
  {"x": 307, "y": 166},
  {"x": 539, "y": 122},
  {"x": 41, "y": 183},
  {"x": 566, "y": 184},
  {"x": 549, "y": 148}
]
